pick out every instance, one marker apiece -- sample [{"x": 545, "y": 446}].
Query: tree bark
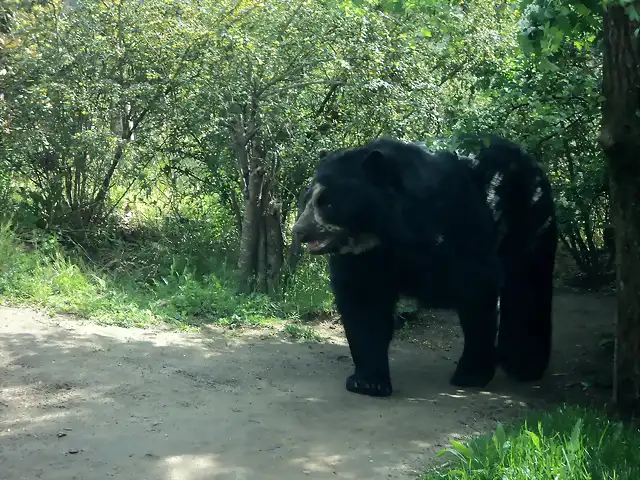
[
  {"x": 261, "y": 239},
  {"x": 294, "y": 254},
  {"x": 275, "y": 246},
  {"x": 620, "y": 140},
  {"x": 253, "y": 174}
]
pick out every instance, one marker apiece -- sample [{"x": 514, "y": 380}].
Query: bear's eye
[{"x": 323, "y": 201}]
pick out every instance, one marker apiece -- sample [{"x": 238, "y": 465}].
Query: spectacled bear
[{"x": 473, "y": 235}]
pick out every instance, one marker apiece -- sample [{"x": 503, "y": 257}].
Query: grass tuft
[
  {"x": 302, "y": 332},
  {"x": 567, "y": 444}
]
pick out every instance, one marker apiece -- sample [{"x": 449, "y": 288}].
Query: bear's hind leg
[
  {"x": 525, "y": 332},
  {"x": 477, "y": 365}
]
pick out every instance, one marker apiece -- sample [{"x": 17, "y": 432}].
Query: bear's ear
[
  {"x": 380, "y": 170},
  {"x": 323, "y": 152}
]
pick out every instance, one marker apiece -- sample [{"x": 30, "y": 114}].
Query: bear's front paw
[
  {"x": 372, "y": 387},
  {"x": 473, "y": 373}
]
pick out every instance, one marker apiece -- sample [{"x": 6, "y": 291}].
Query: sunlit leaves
[
  {"x": 87, "y": 85},
  {"x": 546, "y": 25}
]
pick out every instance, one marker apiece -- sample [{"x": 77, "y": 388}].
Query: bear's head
[{"x": 347, "y": 207}]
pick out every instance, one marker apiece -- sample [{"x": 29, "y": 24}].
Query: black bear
[{"x": 475, "y": 235}]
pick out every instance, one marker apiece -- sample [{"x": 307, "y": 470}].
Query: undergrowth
[
  {"x": 567, "y": 444},
  {"x": 297, "y": 331},
  {"x": 161, "y": 285}
]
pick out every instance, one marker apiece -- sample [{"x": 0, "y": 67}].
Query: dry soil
[{"x": 82, "y": 401}]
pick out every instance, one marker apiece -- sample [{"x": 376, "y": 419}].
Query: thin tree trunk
[
  {"x": 275, "y": 246},
  {"x": 620, "y": 140},
  {"x": 294, "y": 253},
  {"x": 250, "y": 238},
  {"x": 261, "y": 263}
]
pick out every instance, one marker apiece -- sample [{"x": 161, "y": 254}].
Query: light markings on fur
[
  {"x": 311, "y": 214},
  {"x": 544, "y": 226},
  {"x": 471, "y": 158},
  {"x": 492, "y": 198},
  {"x": 536, "y": 195},
  {"x": 312, "y": 205}
]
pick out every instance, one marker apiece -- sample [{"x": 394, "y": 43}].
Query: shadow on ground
[{"x": 81, "y": 401}]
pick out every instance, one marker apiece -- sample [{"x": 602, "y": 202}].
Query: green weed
[
  {"x": 302, "y": 332},
  {"x": 309, "y": 292},
  {"x": 567, "y": 444}
]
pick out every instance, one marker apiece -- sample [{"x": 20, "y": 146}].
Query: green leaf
[
  {"x": 563, "y": 23},
  {"x": 462, "y": 449},
  {"x": 574, "y": 443},
  {"x": 632, "y": 12},
  {"x": 546, "y": 64},
  {"x": 582, "y": 10},
  {"x": 534, "y": 438},
  {"x": 499, "y": 437}
]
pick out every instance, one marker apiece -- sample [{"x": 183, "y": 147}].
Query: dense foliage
[{"x": 180, "y": 134}]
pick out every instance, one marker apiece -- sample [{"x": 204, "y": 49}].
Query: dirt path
[{"x": 80, "y": 401}]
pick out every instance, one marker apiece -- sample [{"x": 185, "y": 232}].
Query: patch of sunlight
[
  {"x": 197, "y": 467},
  {"x": 422, "y": 444},
  {"x": 452, "y": 395},
  {"x": 318, "y": 461},
  {"x": 11, "y": 426}
]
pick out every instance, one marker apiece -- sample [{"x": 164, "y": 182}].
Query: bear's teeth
[{"x": 316, "y": 244}]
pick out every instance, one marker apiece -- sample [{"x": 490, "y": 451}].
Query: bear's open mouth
[{"x": 315, "y": 245}]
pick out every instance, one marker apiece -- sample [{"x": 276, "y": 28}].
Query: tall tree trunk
[
  {"x": 261, "y": 240},
  {"x": 620, "y": 140},
  {"x": 253, "y": 177},
  {"x": 250, "y": 238}
]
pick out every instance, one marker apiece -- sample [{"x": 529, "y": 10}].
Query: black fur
[
  {"x": 527, "y": 251},
  {"x": 439, "y": 241}
]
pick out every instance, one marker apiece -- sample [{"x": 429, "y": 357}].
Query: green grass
[
  {"x": 302, "y": 332},
  {"x": 46, "y": 276},
  {"x": 567, "y": 444}
]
